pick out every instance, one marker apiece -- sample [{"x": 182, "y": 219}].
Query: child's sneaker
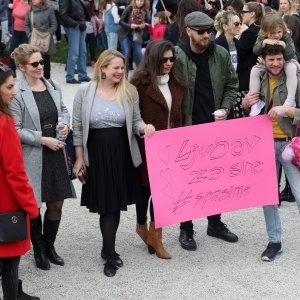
[
  {"x": 256, "y": 108},
  {"x": 271, "y": 252}
]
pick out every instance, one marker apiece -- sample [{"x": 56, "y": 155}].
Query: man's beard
[{"x": 201, "y": 46}]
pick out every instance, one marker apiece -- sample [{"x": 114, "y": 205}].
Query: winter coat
[
  {"x": 44, "y": 20},
  {"x": 154, "y": 110},
  {"x": 15, "y": 192},
  {"x": 27, "y": 120}
]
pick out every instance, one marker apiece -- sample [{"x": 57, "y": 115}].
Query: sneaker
[
  {"x": 220, "y": 230},
  {"x": 186, "y": 239},
  {"x": 73, "y": 81},
  {"x": 256, "y": 108},
  {"x": 272, "y": 250}
]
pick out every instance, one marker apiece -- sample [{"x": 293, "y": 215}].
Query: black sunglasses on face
[
  {"x": 202, "y": 31},
  {"x": 236, "y": 24},
  {"x": 35, "y": 64},
  {"x": 246, "y": 11},
  {"x": 170, "y": 58}
]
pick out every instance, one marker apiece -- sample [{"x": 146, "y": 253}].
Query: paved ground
[{"x": 217, "y": 270}]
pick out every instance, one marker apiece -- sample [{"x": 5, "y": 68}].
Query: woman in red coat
[
  {"x": 161, "y": 89},
  {"x": 15, "y": 192}
]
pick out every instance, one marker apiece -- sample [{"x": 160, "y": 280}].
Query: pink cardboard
[{"x": 202, "y": 170}]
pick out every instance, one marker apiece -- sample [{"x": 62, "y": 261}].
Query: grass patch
[{"x": 60, "y": 56}]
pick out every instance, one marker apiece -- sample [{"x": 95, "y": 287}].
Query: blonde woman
[
  {"x": 287, "y": 8},
  {"x": 106, "y": 117},
  {"x": 36, "y": 108}
]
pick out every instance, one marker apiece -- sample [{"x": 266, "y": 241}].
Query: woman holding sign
[{"x": 161, "y": 90}]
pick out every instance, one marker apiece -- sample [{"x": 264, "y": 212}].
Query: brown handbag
[{"x": 39, "y": 39}]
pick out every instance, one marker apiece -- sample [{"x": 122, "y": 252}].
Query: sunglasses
[
  {"x": 170, "y": 58},
  {"x": 246, "y": 11},
  {"x": 35, "y": 64},
  {"x": 202, "y": 31},
  {"x": 237, "y": 24}
]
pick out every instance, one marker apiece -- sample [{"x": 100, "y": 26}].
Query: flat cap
[{"x": 198, "y": 19}]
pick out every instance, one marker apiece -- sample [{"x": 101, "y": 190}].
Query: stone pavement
[{"x": 217, "y": 270}]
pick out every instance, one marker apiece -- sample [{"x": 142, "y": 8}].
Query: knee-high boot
[
  {"x": 154, "y": 240},
  {"x": 50, "y": 232},
  {"x": 38, "y": 243}
]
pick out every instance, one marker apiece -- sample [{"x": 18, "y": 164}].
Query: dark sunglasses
[
  {"x": 236, "y": 24},
  {"x": 202, "y": 31},
  {"x": 170, "y": 58},
  {"x": 35, "y": 64},
  {"x": 246, "y": 11}
]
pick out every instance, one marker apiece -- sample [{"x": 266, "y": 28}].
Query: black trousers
[
  {"x": 10, "y": 275},
  {"x": 142, "y": 206},
  {"x": 188, "y": 225},
  {"x": 47, "y": 66}
]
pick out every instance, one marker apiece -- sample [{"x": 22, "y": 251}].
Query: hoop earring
[{"x": 103, "y": 75}]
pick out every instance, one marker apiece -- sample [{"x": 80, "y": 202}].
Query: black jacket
[
  {"x": 72, "y": 13},
  {"x": 246, "y": 58}
]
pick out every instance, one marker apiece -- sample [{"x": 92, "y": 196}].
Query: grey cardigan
[
  {"x": 44, "y": 20},
  {"x": 82, "y": 107},
  {"x": 27, "y": 121}
]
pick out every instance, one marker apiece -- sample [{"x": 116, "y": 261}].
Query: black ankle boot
[
  {"x": 50, "y": 232},
  {"x": 286, "y": 194},
  {"x": 22, "y": 295},
  {"x": 38, "y": 243}
]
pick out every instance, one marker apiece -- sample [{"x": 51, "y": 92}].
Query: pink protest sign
[{"x": 202, "y": 170}]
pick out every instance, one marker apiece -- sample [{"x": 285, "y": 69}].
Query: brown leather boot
[
  {"x": 154, "y": 240},
  {"x": 142, "y": 231}
]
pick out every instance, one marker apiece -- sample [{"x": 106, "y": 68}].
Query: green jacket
[
  {"x": 287, "y": 125},
  {"x": 223, "y": 78}
]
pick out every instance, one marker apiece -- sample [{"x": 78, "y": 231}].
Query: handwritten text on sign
[{"x": 206, "y": 169}]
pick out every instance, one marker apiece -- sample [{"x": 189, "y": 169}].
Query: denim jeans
[
  {"x": 137, "y": 49},
  {"x": 91, "y": 44},
  {"x": 76, "y": 53},
  {"x": 18, "y": 38},
  {"x": 102, "y": 40},
  {"x": 112, "y": 40},
  {"x": 271, "y": 212}
]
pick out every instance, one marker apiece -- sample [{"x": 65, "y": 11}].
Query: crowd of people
[{"x": 237, "y": 58}]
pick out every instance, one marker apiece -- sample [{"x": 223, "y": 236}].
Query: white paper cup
[{"x": 219, "y": 114}]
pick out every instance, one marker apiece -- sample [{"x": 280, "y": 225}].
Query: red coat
[
  {"x": 158, "y": 31},
  {"x": 15, "y": 192}
]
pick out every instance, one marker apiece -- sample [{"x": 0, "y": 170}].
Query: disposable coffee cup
[{"x": 219, "y": 113}]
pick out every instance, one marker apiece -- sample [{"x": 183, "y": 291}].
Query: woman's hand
[
  {"x": 148, "y": 129},
  {"x": 64, "y": 131},
  {"x": 52, "y": 143},
  {"x": 133, "y": 26},
  {"x": 250, "y": 99},
  {"x": 79, "y": 165}
]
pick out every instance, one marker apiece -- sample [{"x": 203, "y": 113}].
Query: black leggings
[
  {"x": 10, "y": 275},
  {"x": 109, "y": 224},
  {"x": 142, "y": 207}
]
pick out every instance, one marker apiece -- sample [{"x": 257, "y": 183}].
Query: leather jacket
[{"x": 72, "y": 13}]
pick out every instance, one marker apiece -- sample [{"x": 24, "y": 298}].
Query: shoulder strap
[{"x": 52, "y": 83}]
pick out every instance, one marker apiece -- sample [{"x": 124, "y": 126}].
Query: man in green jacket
[{"x": 212, "y": 87}]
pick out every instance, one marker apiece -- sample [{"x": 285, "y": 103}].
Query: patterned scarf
[{"x": 137, "y": 16}]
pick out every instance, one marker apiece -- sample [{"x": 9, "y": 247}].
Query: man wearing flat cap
[{"x": 212, "y": 85}]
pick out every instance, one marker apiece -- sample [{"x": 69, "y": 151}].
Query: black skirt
[{"x": 112, "y": 178}]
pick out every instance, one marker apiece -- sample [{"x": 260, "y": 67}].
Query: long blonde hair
[{"x": 124, "y": 89}]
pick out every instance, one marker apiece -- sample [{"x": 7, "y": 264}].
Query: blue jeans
[
  {"x": 18, "y": 38},
  {"x": 271, "y": 212},
  {"x": 137, "y": 49},
  {"x": 102, "y": 40},
  {"x": 112, "y": 40},
  {"x": 76, "y": 53}
]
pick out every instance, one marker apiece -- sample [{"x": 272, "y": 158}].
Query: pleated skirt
[{"x": 112, "y": 178}]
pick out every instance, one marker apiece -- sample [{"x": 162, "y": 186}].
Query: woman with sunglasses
[
  {"x": 36, "y": 108},
  {"x": 229, "y": 24},
  {"x": 15, "y": 192},
  {"x": 161, "y": 88},
  {"x": 252, "y": 14},
  {"x": 42, "y": 16}
]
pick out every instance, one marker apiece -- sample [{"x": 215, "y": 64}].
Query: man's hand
[
  {"x": 277, "y": 112},
  {"x": 250, "y": 99}
]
